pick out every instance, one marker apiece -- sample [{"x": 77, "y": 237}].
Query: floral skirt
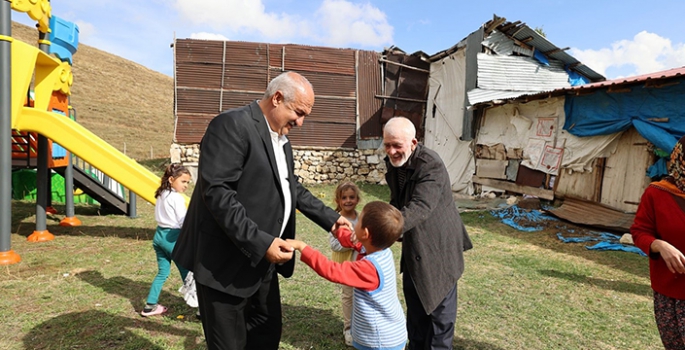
[{"x": 670, "y": 319}]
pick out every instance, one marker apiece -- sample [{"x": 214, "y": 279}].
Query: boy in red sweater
[{"x": 377, "y": 318}]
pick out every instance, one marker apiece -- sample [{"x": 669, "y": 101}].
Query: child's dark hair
[
  {"x": 384, "y": 222},
  {"x": 342, "y": 187},
  {"x": 173, "y": 170}
]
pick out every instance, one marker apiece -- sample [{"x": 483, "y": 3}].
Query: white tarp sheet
[
  {"x": 535, "y": 127},
  {"x": 446, "y": 96}
]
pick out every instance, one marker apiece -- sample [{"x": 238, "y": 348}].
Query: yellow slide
[
  {"x": 29, "y": 63},
  {"x": 89, "y": 147}
]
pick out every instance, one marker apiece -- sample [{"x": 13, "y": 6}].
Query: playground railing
[{"x": 104, "y": 180}]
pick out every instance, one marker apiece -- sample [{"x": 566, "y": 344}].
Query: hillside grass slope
[{"x": 124, "y": 103}]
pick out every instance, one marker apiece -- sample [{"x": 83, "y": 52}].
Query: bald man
[
  {"x": 241, "y": 212},
  {"x": 434, "y": 236}
]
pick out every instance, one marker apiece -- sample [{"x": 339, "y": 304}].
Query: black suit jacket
[
  {"x": 434, "y": 236},
  {"x": 236, "y": 209}
]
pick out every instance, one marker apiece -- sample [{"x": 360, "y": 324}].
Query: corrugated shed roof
[
  {"x": 519, "y": 74},
  {"x": 501, "y": 44},
  {"x": 512, "y": 76},
  {"x": 481, "y": 95},
  {"x": 619, "y": 82},
  {"x": 532, "y": 38}
]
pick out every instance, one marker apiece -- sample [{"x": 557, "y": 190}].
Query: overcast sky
[{"x": 615, "y": 38}]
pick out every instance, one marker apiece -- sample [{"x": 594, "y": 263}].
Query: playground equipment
[
  {"x": 52, "y": 79},
  {"x": 91, "y": 181}
]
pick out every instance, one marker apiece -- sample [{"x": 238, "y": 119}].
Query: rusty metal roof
[
  {"x": 665, "y": 74},
  {"x": 584, "y": 212}
]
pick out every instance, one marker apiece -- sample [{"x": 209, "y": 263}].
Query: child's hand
[
  {"x": 353, "y": 238},
  {"x": 341, "y": 222},
  {"x": 297, "y": 244},
  {"x": 345, "y": 231}
]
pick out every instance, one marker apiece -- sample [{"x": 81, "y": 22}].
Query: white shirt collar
[{"x": 275, "y": 137}]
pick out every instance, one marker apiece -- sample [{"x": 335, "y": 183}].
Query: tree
[{"x": 540, "y": 31}]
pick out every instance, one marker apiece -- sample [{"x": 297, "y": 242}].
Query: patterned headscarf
[{"x": 677, "y": 165}]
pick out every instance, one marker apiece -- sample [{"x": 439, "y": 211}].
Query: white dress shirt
[{"x": 278, "y": 141}]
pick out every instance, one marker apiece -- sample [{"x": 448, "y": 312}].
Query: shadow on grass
[
  {"x": 310, "y": 328},
  {"x": 547, "y": 238},
  {"x": 136, "y": 233},
  {"x": 618, "y": 286},
  {"x": 21, "y": 210},
  {"x": 24, "y": 225},
  {"x": 467, "y": 344},
  {"x": 100, "y": 330},
  {"x": 136, "y": 292}
]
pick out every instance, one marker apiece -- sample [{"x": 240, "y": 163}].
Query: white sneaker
[{"x": 348, "y": 337}]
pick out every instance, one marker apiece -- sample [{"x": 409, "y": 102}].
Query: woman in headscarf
[{"x": 659, "y": 230}]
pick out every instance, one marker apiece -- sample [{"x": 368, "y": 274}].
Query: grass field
[{"x": 85, "y": 289}]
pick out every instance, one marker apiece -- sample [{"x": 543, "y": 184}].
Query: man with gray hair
[
  {"x": 241, "y": 212},
  {"x": 434, "y": 236}
]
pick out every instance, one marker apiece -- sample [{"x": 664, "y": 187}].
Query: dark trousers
[
  {"x": 429, "y": 331},
  {"x": 234, "y": 323}
]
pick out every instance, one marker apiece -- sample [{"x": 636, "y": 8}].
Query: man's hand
[
  {"x": 279, "y": 252},
  {"x": 675, "y": 261},
  {"x": 298, "y": 245},
  {"x": 342, "y": 221}
]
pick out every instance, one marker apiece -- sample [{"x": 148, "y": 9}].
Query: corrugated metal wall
[
  {"x": 406, "y": 88},
  {"x": 370, "y": 84},
  {"x": 212, "y": 76}
]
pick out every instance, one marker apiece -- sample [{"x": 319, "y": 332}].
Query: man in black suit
[
  {"x": 434, "y": 236},
  {"x": 241, "y": 212}
]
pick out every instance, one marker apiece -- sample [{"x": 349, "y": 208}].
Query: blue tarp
[
  {"x": 575, "y": 78},
  {"x": 521, "y": 219},
  {"x": 658, "y": 168},
  {"x": 607, "y": 241},
  {"x": 603, "y": 113},
  {"x": 532, "y": 220},
  {"x": 540, "y": 57}
]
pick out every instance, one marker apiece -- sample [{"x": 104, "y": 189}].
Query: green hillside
[{"x": 119, "y": 100}]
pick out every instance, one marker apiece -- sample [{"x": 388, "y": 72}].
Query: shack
[
  {"x": 596, "y": 146},
  {"x": 499, "y": 61}
]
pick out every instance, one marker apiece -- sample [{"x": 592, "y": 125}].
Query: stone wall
[{"x": 313, "y": 165}]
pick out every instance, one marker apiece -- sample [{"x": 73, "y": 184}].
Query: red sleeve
[
  {"x": 344, "y": 236},
  {"x": 360, "y": 274},
  {"x": 643, "y": 229}
]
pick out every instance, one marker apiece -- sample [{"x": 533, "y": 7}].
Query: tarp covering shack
[{"x": 658, "y": 113}]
